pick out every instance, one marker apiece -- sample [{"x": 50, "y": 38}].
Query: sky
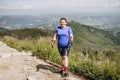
[{"x": 38, "y": 7}]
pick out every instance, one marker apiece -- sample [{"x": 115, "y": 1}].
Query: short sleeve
[{"x": 70, "y": 31}]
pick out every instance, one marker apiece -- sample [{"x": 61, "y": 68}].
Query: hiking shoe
[
  {"x": 66, "y": 74},
  {"x": 66, "y": 71},
  {"x": 61, "y": 71},
  {"x": 63, "y": 74}
]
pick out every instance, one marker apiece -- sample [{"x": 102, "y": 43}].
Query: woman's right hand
[{"x": 53, "y": 42}]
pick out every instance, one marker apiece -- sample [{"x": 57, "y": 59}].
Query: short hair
[{"x": 63, "y": 19}]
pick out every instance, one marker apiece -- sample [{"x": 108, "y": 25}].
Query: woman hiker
[{"x": 64, "y": 35}]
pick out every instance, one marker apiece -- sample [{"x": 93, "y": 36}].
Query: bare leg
[
  {"x": 65, "y": 61},
  {"x": 65, "y": 65}
]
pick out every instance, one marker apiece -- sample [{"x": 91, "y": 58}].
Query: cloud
[
  {"x": 58, "y": 6},
  {"x": 113, "y": 5},
  {"x": 116, "y": 4},
  {"x": 105, "y": 5},
  {"x": 28, "y": 6}
]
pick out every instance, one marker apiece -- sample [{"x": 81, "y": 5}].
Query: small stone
[
  {"x": 28, "y": 69},
  {"x": 34, "y": 57},
  {"x": 16, "y": 54},
  {"x": 5, "y": 55},
  {"x": 31, "y": 78},
  {"x": 72, "y": 78},
  {"x": 0, "y": 76},
  {"x": 28, "y": 59},
  {"x": 25, "y": 69},
  {"x": 29, "y": 53}
]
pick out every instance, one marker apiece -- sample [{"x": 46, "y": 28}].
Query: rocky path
[{"x": 16, "y": 65}]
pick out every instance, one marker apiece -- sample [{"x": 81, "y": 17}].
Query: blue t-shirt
[{"x": 63, "y": 35}]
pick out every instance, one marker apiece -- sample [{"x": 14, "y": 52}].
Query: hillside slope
[{"x": 87, "y": 36}]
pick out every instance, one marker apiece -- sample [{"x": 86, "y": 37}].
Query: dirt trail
[{"x": 16, "y": 65}]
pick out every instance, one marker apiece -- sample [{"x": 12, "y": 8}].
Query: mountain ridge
[{"x": 88, "y": 35}]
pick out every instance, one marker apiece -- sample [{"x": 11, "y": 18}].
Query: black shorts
[{"x": 64, "y": 50}]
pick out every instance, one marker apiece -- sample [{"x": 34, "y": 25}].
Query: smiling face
[{"x": 63, "y": 22}]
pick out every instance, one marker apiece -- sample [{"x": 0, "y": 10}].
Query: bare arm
[
  {"x": 71, "y": 37},
  {"x": 54, "y": 38}
]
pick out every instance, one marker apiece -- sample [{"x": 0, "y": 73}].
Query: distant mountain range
[{"x": 111, "y": 23}]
